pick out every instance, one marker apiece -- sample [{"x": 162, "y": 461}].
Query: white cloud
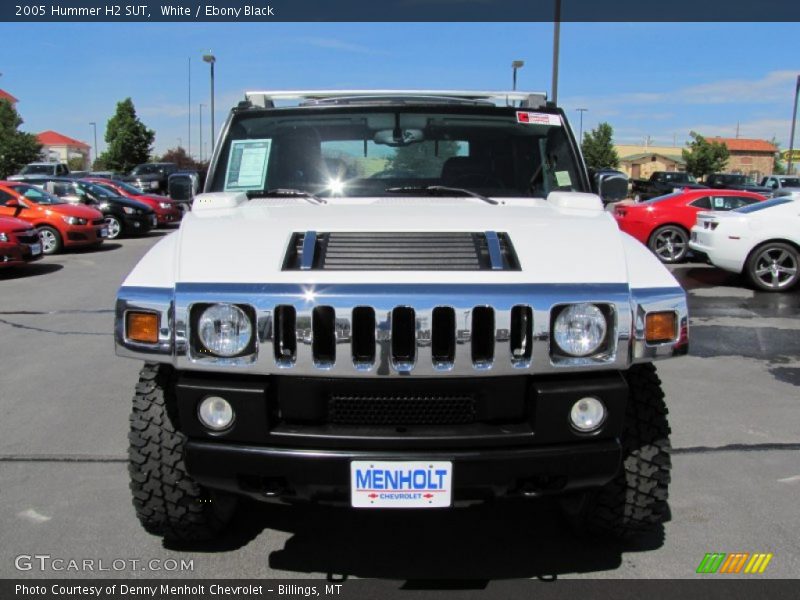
[
  {"x": 774, "y": 87},
  {"x": 336, "y": 44}
]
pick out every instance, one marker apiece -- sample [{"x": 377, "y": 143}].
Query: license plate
[
  {"x": 153, "y": 220},
  {"x": 104, "y": 232},
  {"x": 400, "y": 484},
  {"x": 694, "y": 236},
  {"x": 36, "y": 249}
]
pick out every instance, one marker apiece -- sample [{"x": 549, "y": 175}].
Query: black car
[
  {"x": 123, "y": 215},
  {"x": 152, "y": 177},
  {"x": 736, "y": 181}
]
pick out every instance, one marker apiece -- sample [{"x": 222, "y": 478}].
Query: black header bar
[{"x": 186, "y": 11}]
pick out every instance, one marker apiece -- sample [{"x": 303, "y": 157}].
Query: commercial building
[
  {"x": 58, "y": 147},
  {"x": 748, "y": 156}
]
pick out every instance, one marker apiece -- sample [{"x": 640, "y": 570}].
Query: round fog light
[
  {"x": 587, "y": 414},
  {"x": 215, "y": 413}
]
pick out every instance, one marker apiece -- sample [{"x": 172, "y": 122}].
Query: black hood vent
[{"x": 401, "y": 251}]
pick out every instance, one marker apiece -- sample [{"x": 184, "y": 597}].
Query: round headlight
[
  {"x": 224, "y": 329},
  {"x": 587, "y": 414},
  {"x": 215, "y": 413},
  {"x": 580, "y": 329}
]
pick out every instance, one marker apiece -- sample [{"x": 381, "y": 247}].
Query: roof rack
[{"x": 267, "y": 99}]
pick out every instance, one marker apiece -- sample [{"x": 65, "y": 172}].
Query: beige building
[
  {"x": 642, "y": 165},
  {"x": 57, "y": 147}
]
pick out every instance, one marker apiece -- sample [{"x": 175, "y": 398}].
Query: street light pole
[
  {"x": 211, "y": 59},
  {"x": 200, "y": 128},
  {"x": 556, "y": 41},
  {"x": 580, "y": 135},
  {"x": 189, "y": 100},
  {"x": 794, "y": 122},
  {"x": 94, "y": 127},
  {"x": 515, "y": 65}
]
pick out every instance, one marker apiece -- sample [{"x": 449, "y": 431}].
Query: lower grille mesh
[{"x": 401, "y": 410}]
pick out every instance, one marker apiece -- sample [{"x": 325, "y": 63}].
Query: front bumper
[
  {"x": 287, "y": 441},
  {"x": 324, "y": 475},
  {"x": 137, "y": 224},
  {"x": 83, "y": 235},
  {"x": 12, "y": 254}
]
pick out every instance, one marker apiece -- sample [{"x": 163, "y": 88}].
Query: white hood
[{"x": 246, "y": 241}]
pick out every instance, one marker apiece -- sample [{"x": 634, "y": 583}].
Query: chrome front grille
[
  {"x": 370, "y": 330},
  {"x": 400, "y": 330}
]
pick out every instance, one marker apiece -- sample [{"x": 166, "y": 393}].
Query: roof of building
[
  {"x": 673, "y": 157},
  {"x": 4, "y": 95},
  {"x": 53, "y": 138},
  {"x": 745, "y": 144}
]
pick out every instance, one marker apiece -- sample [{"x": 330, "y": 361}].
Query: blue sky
[{"x": 646, "y": 79}]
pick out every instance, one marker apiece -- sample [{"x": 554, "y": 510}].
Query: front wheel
[
  {"x": 51, "y": 240},
  {"x": 635, "y": 501},
  {"x": 772, "y": 267},
  {"x": 670, "y": 244},
  {"x": 168, "y": 501},
  {"x": 114, "y": 227}
]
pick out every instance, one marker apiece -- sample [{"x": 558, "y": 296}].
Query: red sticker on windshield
[{"x": 535, "y": 118}]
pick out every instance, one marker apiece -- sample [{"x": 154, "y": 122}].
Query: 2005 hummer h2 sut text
[{"x": 399, "y": 300}]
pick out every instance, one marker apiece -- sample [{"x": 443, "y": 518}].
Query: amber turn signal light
[
  {"x": 661, "y": 327},
  {"x": 142, "y": 327}
]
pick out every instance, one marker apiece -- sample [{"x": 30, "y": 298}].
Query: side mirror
[
  {"x": 610, "y": 185},
  {"x": 14, "y": 203}
]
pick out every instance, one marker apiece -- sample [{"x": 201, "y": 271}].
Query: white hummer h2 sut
[{"x": 399, "y": 300}]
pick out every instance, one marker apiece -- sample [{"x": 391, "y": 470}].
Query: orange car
[{"x": 60, "y": 225}]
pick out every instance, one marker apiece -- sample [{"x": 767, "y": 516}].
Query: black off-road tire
[
  {"x": 168, "y": 502},
  {"x": 635, "y": 501}
]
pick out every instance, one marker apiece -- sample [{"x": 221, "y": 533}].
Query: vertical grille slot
[
  {"x": 363, "y": 336},
  {"x": 323, "y": 340},
  {"x": 482, "y": 336},
  {"x": 285, "y": 339},
  {"x": 521, "y": 334},
  {"x": 403, "y": 337},
  {"x": 443, "y": 338}
]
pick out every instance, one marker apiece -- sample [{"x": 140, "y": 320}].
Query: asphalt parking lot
[{"x": 64, "y": 400}]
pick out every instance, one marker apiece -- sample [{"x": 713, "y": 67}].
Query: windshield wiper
[
  {"x": 286, "y": 192},
  {"x": 438, "y": 190}
]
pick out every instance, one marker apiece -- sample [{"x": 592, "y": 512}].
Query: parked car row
[
  {"x": 160, "y": 178},
  {"x": 47, "y": 214},
  {"x": 736, "y": 230},
  {"x": 665, "y": 182}
]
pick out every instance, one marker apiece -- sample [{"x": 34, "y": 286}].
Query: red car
[
  {"x": 60, "y": 225},
  {"x": 663, "y": 223},
  {"x": 19, "y": 242},
  {"x": 168, "y": 211}
]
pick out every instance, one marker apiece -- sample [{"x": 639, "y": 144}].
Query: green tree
[
  {"x": 778, "y": 168},
  {"x": 129, "y": 140},
  {"x": 598, "y": 148},
  {"x": 425, "y": 159},
  {"x": 703, "y": 157},
  {"x": 17, "y": 148},
  {"x": 76, "y": 163}
]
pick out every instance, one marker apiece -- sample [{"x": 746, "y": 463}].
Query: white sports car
[{"x": 761, "y": 240}]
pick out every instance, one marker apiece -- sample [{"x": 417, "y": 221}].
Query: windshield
[
  {"x": 37, "y": 169},
  {"x": 762, "y": 205},
  {"x": 658, "y": 199},
  {"x": 367, "y": 151},
  {"x": 99, "y": 190},
  {"x": 37, "y": 195},
  {"x": 679, "y": 178},
  {"x": 132, "y": 190}
]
